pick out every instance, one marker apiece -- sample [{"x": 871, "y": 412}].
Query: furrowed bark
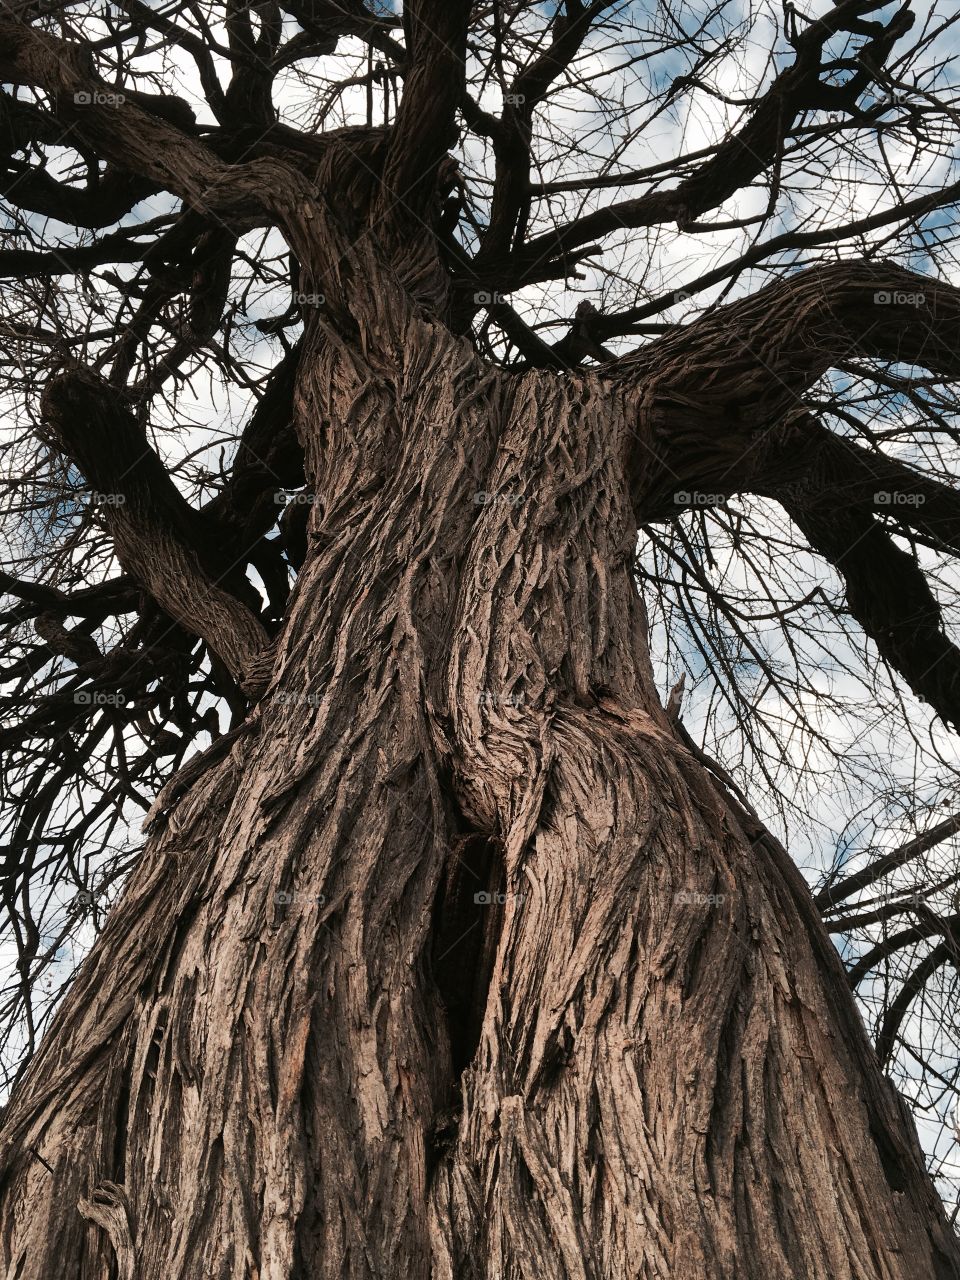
[
  {"x": 270, "y": 1066},
  {"x": 289, "y": 1167},
  {"x": 451, "y": 960},
  {"x": 593, "y": 1141}
]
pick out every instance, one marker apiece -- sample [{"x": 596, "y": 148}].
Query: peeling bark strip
[{"x": 255, "y": 1074}]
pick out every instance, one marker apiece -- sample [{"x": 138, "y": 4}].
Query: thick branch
[
  {"x": 239, "y": 196},
  {"x": 433, "y": 89},
  {"x": 511, "y": 136},
  {"x": 930, "y": 927},
  {"x": 942, "y": 954},
  {"x": 269, "y": 457},
  {"x": 718, "y": 406},
  {"x": 889, "y": 596},
  {"x": 201, "y": 53},
  {"x": 714, "y": 396},
  {"x": 97, "y": 206},
  {"x": 136, "y": 139},
  {"x": 158, "y": 537},
  {"x": 103, "y": 599},
  {"x": 120, "y": 246},
  {"x": 615, "y": 324}
]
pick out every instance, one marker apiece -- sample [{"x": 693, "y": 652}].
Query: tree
[{"x": 453, "y": 955}]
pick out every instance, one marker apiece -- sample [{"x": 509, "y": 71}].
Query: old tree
[{"x": 450, "y": 955}]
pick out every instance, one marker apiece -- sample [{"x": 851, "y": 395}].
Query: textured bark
[
  {"x": 302, "y": 1047},
  {"x": 451, "y": 961}
]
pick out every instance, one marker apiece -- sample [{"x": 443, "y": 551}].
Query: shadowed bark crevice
[{"x": 466, "y": 920}]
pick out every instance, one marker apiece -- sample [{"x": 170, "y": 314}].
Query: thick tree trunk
[{"x": 307, "y": 1045}]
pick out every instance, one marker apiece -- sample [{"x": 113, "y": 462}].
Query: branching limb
[
  {"x": 747, "y": 153},
  {"x": 158, "y": 537},
  {"x": 833, "y": 894},
  {"x": 425, "y": 125}
]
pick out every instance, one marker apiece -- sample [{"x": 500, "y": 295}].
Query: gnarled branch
[{"x": 159, "y": 538}]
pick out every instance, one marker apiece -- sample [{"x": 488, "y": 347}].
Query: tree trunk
[{"x": 452, "y": 962}]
